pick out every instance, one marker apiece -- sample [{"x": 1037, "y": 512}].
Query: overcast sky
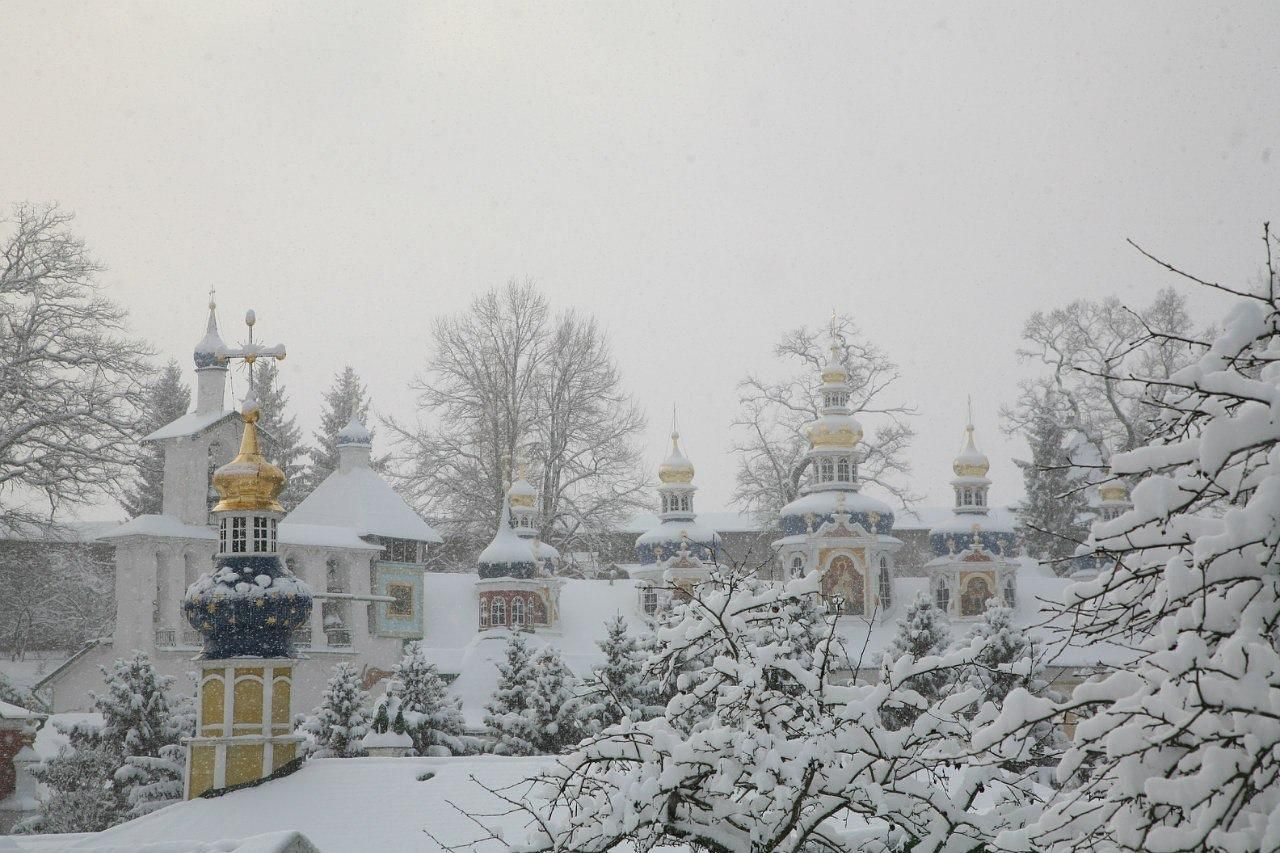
[{"x": 701, "y": 177}]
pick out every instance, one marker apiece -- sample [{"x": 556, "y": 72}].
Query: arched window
[
  {"x": 649, "y": 600},
  {"x": 968, "y": 497},
  {"x": 499, "y": 612},
  {"x": 959, "y": 496},
  {"x": 973, "y": 599},
  {"x": 484, "y": 614},
  {"x": 980, "y": 497},
  {"x": 684, "y": 503},
  {"x": 517, "y": 611},
  {"x": 842, "y": 469},
  {"x": 824, "y": 470},
  {"x": 1010, "y": 593},
  {"x": 942, "y": 597},
  {"x": 886, "y": 584},
  {"x": 797, "y": 566}
]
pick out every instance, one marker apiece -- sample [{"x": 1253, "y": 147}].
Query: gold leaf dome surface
[
  {"x": 971, "y": 462},
  {"x": 839, "y": 431},
  {"x": 249, "y": 482},
  {"x": 677, "y": 468}
]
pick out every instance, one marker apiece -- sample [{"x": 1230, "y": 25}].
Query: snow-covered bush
[
  {"x": 433, "y": 715},
  {"x": 341, "y": 720},
  {"x": 505, "y": 719},
  {"x": 1185, "y": 744},
  {"x": 620, "y": 686},
  {"x": 535, "y": 709},
  {"x": 764, "y": 748},
  {"x": 921, "y": 632},
  {"x": 129, "y": 765}
]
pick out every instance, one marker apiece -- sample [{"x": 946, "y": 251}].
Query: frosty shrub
[
  {"x": 767, "y": 746},
  {"x": 1183, "y": 749},
  {"x": 922, "y": 632},
  {"x": 341, "y": 720},
  {"x": 535, "y": 709},
  {"x": 128, "y": 766}
]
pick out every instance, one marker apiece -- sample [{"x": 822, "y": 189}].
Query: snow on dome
[
  {"x": 971, "y": 462},
  {"x": 658, "y": 543},
  {"x": 521, "y": 493},
  {"x": 834, "y": 371},
  {"x": 507, "y": 555},
  {"x": 354, "y": 433},
  {"x": 206, "y": 352},
  {"x": 833, "y": 430},
  {"x": 676, "y": 468},
  {"x": 874, "y": 515}
]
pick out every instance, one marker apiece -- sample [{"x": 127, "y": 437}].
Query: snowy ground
[{"x": 354, "y": 805}]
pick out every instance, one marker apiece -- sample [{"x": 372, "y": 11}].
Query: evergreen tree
[
  {"x": 281, "y": 437},
  {"x": 346, "y": 397},
  {"x": 434, "y": 717},
  {"x": 128, "y": 766},
  {"x": 166, "y": 400},
  {"x": 507, "y": 719},
  {"x": 1053, "y": 514},
  {"x": 921, "y": 632},
  {"x": 619, "y": 687},
  {"x": 341, "y": 719},
  {"x": 553, "y": 711}
]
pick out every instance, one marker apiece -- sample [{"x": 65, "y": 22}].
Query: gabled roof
[
  {"x": 361, "y": 500},
  {"x": 192, "y": 423}
]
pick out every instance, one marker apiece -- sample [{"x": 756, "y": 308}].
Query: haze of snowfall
[{"x": 489, "y": 630}]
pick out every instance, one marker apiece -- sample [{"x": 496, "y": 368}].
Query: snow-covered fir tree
[
  {"x": 129, "y": 765},
  {"x": 1005, "y": 659},
  {"x": 620, "y": 686},
  {"x": 554, "y": 710},
  {"x": 166, "y": 400},
  {"x": 506, "y": 718},
  {"x": 1053, "y": 514},
  {"x": 341, "y": 720},
  {"x": 434, "y": 716},
  {"x": 921, "y": 632},
  {"x": 742, "y": 760},
  {"x": 347, "y": 397},
  {"x": 281, "y": 436},
  {"x": 1185, "y": 744}
]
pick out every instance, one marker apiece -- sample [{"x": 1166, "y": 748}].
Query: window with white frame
[
  {"x": 260, "y": 537},
  {"x": 499, "y": 612},
  {"x": 222, "y": 536},
  {"x": 484, "y": 614},
  {"x": 517, "y": 611},
  {"x": 238, "y": 534},
  {"x": 886, "y": 584},
  {"x": 842, "y": 469},
  {"x": 649, "y": 600},
  {"x": 942, "y": 597},
  {"x": 797, "y": 566}
]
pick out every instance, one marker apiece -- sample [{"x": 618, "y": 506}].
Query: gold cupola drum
[{"x": 246, "y": 609}]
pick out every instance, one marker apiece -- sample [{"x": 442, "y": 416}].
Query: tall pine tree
[
  {"x": 346, "y": 397},
  {"x": 281, "y": 436},
  {"x": 434, "y": 716},
  {"x": 507, "y": 719},
  {"x": 342, "y": 719},
  {"x": 1053, "y": 514},
  {"x": 619, "y": 687},
  {"x": 554, "y": 710},
  {"x": 167, "y": 399}
]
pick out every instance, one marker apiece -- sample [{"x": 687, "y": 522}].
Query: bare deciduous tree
[
  {"x": 775, "y": 413},
  {"x": 508, "y": 380},
  {"x": 70, "y": 380}
]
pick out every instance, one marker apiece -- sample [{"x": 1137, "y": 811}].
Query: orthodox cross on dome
[{"x": 250, "y": 351}]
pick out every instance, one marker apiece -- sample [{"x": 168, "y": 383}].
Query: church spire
[{"x": 971, "y": 467}]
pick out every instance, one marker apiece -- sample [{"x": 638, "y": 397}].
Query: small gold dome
[
  {"x": 521, "y": 494},
  {"x": 834, "y": 371},
  {"x": 1113, "y": 492},
  {"x": 676, "y": 468},
  {"x": 249, "y": 482},
  {"x": 971, "y": 462},
  {"x": 835, "y": 431}
]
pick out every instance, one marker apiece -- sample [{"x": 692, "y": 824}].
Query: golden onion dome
[
  {"x": 971, "y": 462},
  {"x": 838, "y": 431},
  {"x": 676, "y": 468},
  {"x": 521, "y": 494},
  {"x": 834, "y": 371},
  {"x": 1113, "y": 492},
  {"x": 249, "y": 482}
]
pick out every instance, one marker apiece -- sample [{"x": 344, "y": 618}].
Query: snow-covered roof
[
  {"x": 674, "y": 530},
  {"x": 354, "y": 433},
  {"x": 828, "y": 501},
  {"x": 721, "y": 522},
  {"x": 341, "y": 805},
  {"x": 17, "y": 712},
  {"x": 362, "y": 501},
  {"x": 963, "y": 522},
  {"x": 322, "y": 535},
  {"x": 192, "y": 423},
  {"x": 159, "y": 525},
  {"x": 929, "y": 517}
]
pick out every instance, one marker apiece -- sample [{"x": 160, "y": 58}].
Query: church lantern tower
[
  {"x": 246, "y": 611},
  {"x": 1113, "y": 500},
  {"x": 832, "y": 527},
  {"x": 679, "y": 552},
  {"x": 973, "y": 551},
  {"x": 523, "y": 500},
  {"x": 515, "y": 589}
]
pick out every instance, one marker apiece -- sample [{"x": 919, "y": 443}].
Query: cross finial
[
  {"x": 969, "y": 401},
  {"x": 251, "y": 351},
  {"x": 213, "y": 302}
]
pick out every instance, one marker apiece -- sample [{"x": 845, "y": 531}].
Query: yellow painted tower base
[{"x": 243, "y": 730}]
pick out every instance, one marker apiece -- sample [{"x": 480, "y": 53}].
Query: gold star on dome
[
  {"x": 205, "y": 624},
  {"x": 259, "y": 602},
  {"x": 213, "y": 607},
  {"x": 271, "y": 620}
]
